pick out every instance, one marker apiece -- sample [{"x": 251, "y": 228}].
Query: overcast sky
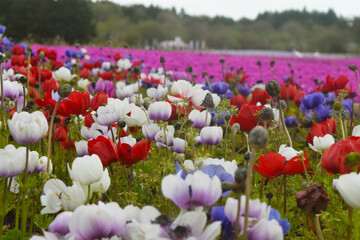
[{"x": 237, "y": 9}]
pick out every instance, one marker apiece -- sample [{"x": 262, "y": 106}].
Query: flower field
[{"x": 102, "y": 143}]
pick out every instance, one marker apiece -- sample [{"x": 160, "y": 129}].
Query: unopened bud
[
  {"x": 121, "y": 124},
  {"x": 345, "y": 114},
  {"x": 204, "y": 74},
  {"x": 2, "y": 57},
  {"x": 136, "y": 70},
  {"x": 247, "y": 156},
  {"x": 352, "y": 95},
  {"x": 258, "y": 136},
  {"x": 273, "y": 88},
  {"x": 180, "y": 158},
  {"x": 266, "y": 114},
  {"x": 236, "y": 127},
  {"x": 337, "y": 106},
  {"x": 353, "y": 67},
  {"x": 208, "y": 101},
  {"x": 41, "y": 55},
  {"x": 23, "y": 79},
  {"x": 240, "y": 175},
  {"x": 272, "y": 63},
  {"x": 146, "y": 105},
  {"x": 226, "y": 186},
  {"x": 162, "y": 60},
  {"x": 189, "y": 69},
  {"x": 65, "y": 90},
  {"x": 222, "y": 60},
  {"x": 177, "y": 126},
  {"x": 269, "y": 195},
  {"x": 258, "y": 63}
]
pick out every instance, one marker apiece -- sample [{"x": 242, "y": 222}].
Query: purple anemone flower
[{"x": 195, "y": 190}]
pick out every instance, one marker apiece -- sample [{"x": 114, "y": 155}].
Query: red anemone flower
[
  {"x": 60, "y": 134},
  {"x": 272, "y": 165},
  {"x": 288, "y": 91},
  {"x": 117, "y": 56},
  {"x": 130, "y": 155},
  {"x": 238, "y": 100},
  {"x": 333, "y": 159},
  {"x": 99, "y": 99},
  {"x": 17, "y": 50},
  {"x": 50, "y": 85},
  {"x": 261, "y": 96},
  {"x": 84, "y": 73},
  {"x": 104, "y": 148},
  {"x": 77, "y": 103},
  {"x": 247, "y": 117},
  {"x": 321, "y": 129}
]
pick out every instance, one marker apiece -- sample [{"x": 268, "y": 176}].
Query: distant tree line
[{"x": 106, "y": 23}]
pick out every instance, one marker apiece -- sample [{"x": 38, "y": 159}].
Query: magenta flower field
[{"x": 105, "y": 143}]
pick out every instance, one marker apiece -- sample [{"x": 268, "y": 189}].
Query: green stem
[
  {"x": 88, "y": 194},
  {"x": 349, "y": 225},
  {"x": 2, "y": 98},
  {"x": 226, "y": 142},
  {"x": 237, "y": 216},
  {"x": 23, "y": 195},
  {"x": 283, "y": 123},
  {"x": 342, "y": 126},
  {"x": 284, "y": 178},
  {"x": 318, "y": 227},
  {"x": 247, "y": 192},
  {"x": 3, "y": 213},
  {"x": 50, "y": 134}
]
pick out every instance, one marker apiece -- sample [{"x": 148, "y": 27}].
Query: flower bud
[
  {"x": 2, "y": 57},
  {"x": 345, "y": 114},
  {"x": 121, "y": 124},
  {"x": 272, "y": 63},
  {"x": 162, "y": 220},
  {"x": 266, "y": 114},
  {"x": 226, "y": 186},
  {"x": 204, "y": 74},
  {"x": 208, "y": 101},
  {"x": 222, "y": 60},
  {"x": 65, "y": 90},
  {"x": 313, "y": 199},
  {"x": 146, "y": 105},
  {"x": 258, "y": 136},
  {"x": 247, "y": 156},
  {"x": 258, "y": 63},
  {"x": 41, "y": 55},
  {"x": 180, "y": 158},
  {"x": 162, "y": 60},
  {"x": 353, "y": 67},
  {"x": 177, "y": 126},
  {"x": 240, "y": 175},
  {"x": 352, "y": 95},
  {"x": 136, "y": 70},
  {"x": 236, "y": 127},
  {"x": 269, "y": 195},
  {"x": 189, "y": 69},
  {"x": 337, "y": 106},
  {"x": 29, "y": 49},
  {"x": 273, "y": 88},
  {"x": 22, "y": 79}
]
